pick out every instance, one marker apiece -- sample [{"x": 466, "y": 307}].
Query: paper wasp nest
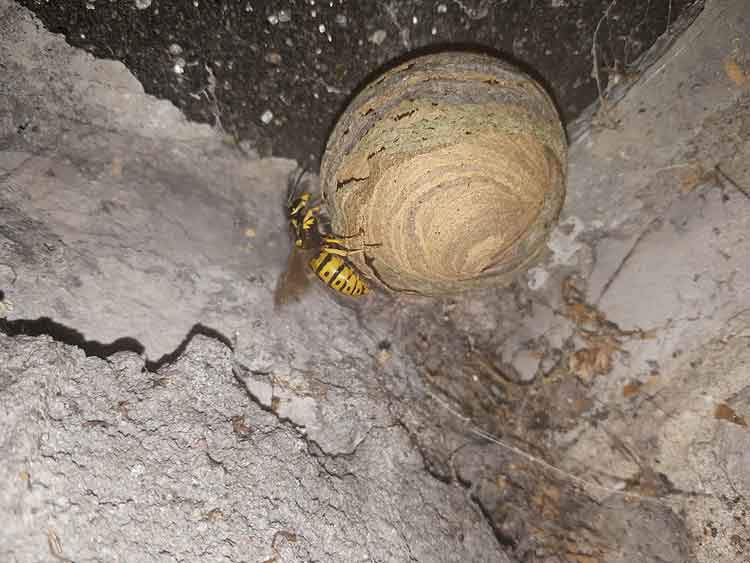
[{"x": 454, "y": 166}]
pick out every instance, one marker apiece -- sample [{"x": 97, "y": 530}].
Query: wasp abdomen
[{"x": 337, "y": 274}]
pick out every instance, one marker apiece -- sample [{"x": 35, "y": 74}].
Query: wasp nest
[{"x": 452, "y": 167}]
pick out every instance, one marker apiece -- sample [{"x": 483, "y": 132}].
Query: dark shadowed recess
[
  {"x": 275, "y": 74},
  {"x": 72, "y": 337},
  {"x": 68, "y": 335}
]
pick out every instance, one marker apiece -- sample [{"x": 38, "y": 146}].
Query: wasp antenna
[
  {"x": 302, "y": 171},
  {"x": 294, "y": 182}
]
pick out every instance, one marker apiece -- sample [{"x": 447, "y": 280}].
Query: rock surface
[
  {"x": 596, "y": 411},
  {"x": 115, "y": 463}
]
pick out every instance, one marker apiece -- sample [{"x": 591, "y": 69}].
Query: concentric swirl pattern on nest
[{"x": 453, "y": 165}]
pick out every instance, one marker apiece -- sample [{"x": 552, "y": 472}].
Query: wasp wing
[{"x": 295, "y": 278}]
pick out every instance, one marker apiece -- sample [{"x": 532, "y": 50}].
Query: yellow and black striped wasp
[{"x": 324, "y": 254}]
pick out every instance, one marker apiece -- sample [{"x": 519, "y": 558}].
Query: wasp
[{"x": 325, "y": 254}]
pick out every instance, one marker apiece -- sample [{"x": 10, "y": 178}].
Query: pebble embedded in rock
[
  {"x": 378, "y": 37},
  {"x": 267, "y": 116},
  {"x": 179, "y": 66},
  {"x": 526, "y": 363},
  {"x": 273, "y": 58},
  {"x": 142, "y": 4}
]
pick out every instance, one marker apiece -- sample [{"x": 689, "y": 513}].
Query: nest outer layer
[{"x": 452, "y": 168}]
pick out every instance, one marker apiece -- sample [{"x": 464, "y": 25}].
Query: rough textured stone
[
  {"x": 123, "y": 464},
  {"x": 594, "y": 411}
]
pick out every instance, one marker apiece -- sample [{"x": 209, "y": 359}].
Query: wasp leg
[
  {"x": 340, "y": 251},
  {"x": 340, "y": 242},
  {"x": 309, "y": 219},
  {"x": 338, "y": 239},
  {"x": 301, "y": 203}
]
